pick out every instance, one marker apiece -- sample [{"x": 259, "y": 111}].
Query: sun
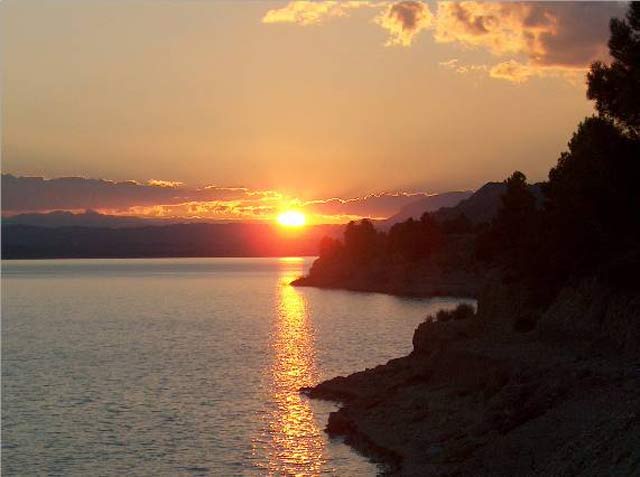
[{"x": 292, "y": 218}]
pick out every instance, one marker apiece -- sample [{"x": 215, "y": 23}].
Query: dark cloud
[
  {"x": 404, "y": 20},
  {"x": 21, "y": 194},
  {"x": 407, "y": 13},
  {"x": 581, "y": 34},
  {"x": 162, "y": 199},
  {"x": 535, "y": 38}
]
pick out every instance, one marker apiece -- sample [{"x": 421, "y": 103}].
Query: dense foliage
[
  {"x": 589, "y": 221},
  {"x": 409, "y": 241},
  {"x": 615, "y": 87}
]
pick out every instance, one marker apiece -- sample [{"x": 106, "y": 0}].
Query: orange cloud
[
  {"x": 535, "y": 39},
  {"x": 311, "y": 13},
  {"x": 404, "y": 20},
  {"x": 455, "y": 65},
  {"x": 500, "y": 28},
  {"x": 517, "y": 72},
  {"x": 512, "y": 71},
  {"x": 162, "y": 183},
  {"x": 171, "y": 200},
  {"x": 547, "y": 40}
]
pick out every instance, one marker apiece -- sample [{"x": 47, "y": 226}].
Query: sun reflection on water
[{"x": 296, "y": 446}]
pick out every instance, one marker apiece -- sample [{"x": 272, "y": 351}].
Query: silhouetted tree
[
  {"x": 460, "y": 224},
  {"x": 414, "y": 239},
  {"x": 616, "y": 87},
  {"x": 516, "y": 211},
  {"x": 330, "y": 247},
  {"x": 431, "y": 232},
  {"x": 592, "y": 197},
  {"x": 361, "y": 241},
  {"x": 513, "y": 223},
  {"x": 590, "y": 221}
]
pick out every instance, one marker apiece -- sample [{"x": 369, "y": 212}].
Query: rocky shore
[
  {"x": 477, "y": 397},
  {"x": 425, "y": 282}
]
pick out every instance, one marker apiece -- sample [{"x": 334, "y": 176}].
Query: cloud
[
  {"x": 173, "y": 200},
  {"x": 21, "y": 194},
  {"x": 543, "y": 39},
  {"x": 311, "y": 13},
  {"x": 500, "y": 28},
  {"x": 512, "y": 71},
  {"x": 380, "y": 205},
  {"x": 455, "y": 65},
  {"x": 163, "y": 183},
  {"x": 404, "y": 20},
  {"x": 533, "y": 39}
]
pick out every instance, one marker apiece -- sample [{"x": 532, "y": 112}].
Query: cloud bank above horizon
[{"x": 163, "y": 199}]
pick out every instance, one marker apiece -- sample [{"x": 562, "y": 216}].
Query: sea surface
[{"x": 183, "y": 367}]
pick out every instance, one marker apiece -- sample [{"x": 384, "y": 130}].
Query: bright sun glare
[{"x": 292, "y": 218}]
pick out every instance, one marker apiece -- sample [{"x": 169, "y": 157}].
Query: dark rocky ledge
[
  {"x": 434, "y": 284},
  {"x": 477, "y": 398}
]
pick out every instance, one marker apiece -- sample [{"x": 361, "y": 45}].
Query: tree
[
  {"x": 592, "y": 198},
  {"x": 414, "y": 239},
  {"x": 330, "y": 247},
  {"x": 361, "y": 241},
  {"x": 515, "y": 215},
  {"x": 460, "y": 224},
  {"x": 512, "y": 237},
  {"x": 616, "y": 87}
]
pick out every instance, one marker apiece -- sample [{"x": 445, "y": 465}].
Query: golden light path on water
[{"x": 297, "y": 446}]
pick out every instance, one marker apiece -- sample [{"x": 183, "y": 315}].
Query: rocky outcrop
[
  {"x": 598, "y": 313},
  {"x": 419, "y": 280},
  {"x": 474, "y": 399},
  {"x": 451, "y": 271}
]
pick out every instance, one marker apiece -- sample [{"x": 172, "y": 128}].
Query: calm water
[{"x": 183, "y": 366}]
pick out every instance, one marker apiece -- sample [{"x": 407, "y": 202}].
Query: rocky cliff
[{"x": 487, "y": 396}]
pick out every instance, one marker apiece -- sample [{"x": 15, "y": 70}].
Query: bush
[{"x": 461, "y": 312}]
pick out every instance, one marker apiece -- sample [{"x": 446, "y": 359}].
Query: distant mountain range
[
  {"x": 91, "y": 234},
  {"x": 483, "y": 204},
  {"x": 89, "y": 218},
  {"x": 177, "y": 240},
  {"x": 479, "y": 206},
  {"x": 426, "y": 204}
]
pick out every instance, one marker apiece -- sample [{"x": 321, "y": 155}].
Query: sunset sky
[{"x": 237, "y": 110}]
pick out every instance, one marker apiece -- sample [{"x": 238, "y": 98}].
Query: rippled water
[{"x": 183, "y": 366}]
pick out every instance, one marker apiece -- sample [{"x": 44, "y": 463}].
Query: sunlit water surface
[{"x": 183, "y": 366}]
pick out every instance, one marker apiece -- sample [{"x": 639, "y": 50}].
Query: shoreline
[
  {"x": 424, "y": 289},
  {"x": 473, "y": 397}
]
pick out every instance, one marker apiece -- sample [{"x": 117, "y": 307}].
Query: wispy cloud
[
  {"x": 455, "y": 65},
  {"x": 163, "y": 183},
  {"x": 311, "y": 12}
]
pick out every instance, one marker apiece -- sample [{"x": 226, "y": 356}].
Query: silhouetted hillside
[
  {"x": 89, "y": 218},
  {"x": 180, "y": 240},
  {"x": 482, "y": 206},
  {"x": 427, "y": 204}
]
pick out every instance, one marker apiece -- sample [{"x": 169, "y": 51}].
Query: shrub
[{"x": 461, "y": 312}]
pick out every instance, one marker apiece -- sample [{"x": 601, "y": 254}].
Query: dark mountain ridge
[
  {"x": 178, "y": 240},
  {"x": 88, "y": 218},
  {"x": 482, "y": 206},
  {"x": 427, "y": 204}
]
